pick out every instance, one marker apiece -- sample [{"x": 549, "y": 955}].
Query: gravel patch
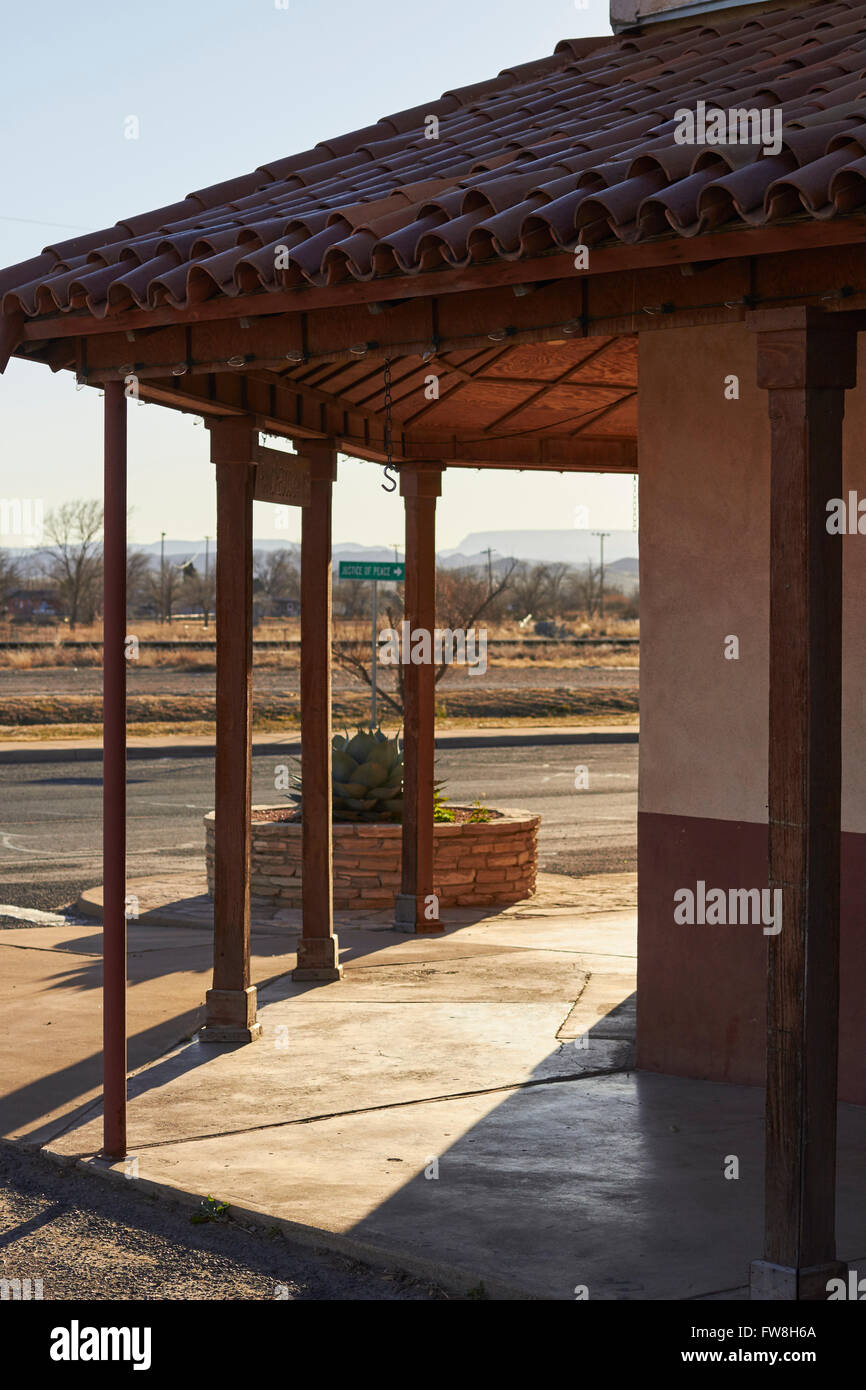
[{"x": 89, "y": 1239}]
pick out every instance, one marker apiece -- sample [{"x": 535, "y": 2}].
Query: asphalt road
[{"x": 50, "y": 813}]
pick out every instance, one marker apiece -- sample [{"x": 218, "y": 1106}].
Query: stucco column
[{"x": 806, "y": 361}]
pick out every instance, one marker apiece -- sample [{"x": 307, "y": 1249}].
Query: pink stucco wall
[{"x": 704, "y": 514}]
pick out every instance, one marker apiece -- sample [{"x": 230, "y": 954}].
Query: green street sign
[{"x": 355, "y": 569}]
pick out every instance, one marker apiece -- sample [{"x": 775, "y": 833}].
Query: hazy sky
[{"x": 219, "y": 87}]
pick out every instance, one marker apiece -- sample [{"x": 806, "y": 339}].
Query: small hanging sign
[{"x": 281, "y": 478}]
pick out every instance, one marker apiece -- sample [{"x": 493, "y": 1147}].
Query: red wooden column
[
  {"x": 806, "y": 361},
  {"x": 231, "y": 1003},
  {"x": 114, "y": 776},
  {"x": 416, "y": 906},
  {"x": 318, "y": 949}
]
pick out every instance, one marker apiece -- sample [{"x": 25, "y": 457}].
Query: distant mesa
[{"x": 571, "y": 546}]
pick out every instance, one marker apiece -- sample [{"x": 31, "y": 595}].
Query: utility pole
[
  {"x": 162, "y": 573},
  {"x": 206, "y": 604},
  {"x": 375, "y": 654},
  {"x": 601, "y": 536},
  {"x": 489, "y": 571}
]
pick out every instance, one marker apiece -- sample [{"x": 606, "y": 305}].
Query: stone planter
[{"x": 474, "y": 865}]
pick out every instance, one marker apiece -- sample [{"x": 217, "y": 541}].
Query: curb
[
  {"x": 92, "y": 752},
  {"x": 531, "y": 738},
  {"x": 451, "y": 1278}
]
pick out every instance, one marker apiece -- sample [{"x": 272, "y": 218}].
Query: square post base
[
  {"x": 409, "y": 910},
  {"x": 231, "y": 1016},
  {"x": 318, "y": 959},
  {"x": 771, "y": 1283}
]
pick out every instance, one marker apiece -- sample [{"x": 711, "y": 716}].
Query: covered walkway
[{"x": 472, "y": 283}]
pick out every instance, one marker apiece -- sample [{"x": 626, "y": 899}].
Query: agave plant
[{"x": 367, "y": 776}]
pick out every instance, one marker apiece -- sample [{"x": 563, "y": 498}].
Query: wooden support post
[
  {"x": 806, "y": 362},
  {"x": 114, "y": 777},
  {"x": 231, "y": 1003},
  {"x": 417, "y": 905},
  {"x": 318, "y": 949}
]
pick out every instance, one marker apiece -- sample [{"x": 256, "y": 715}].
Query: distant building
[
  {"x": 33, "y": 606},
  {"x": 285, "y": 608}
]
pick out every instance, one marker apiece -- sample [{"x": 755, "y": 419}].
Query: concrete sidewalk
[
  {"x": 202, "y": 746},
  {"x": 50, "y": 983},
  {"x": 51, "y": 976},
  {"x": 463, "y": 1107}
]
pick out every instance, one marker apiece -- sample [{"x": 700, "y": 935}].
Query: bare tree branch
[{"x": 74, "y": 558}]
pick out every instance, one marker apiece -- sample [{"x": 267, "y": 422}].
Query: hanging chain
[
  {"x": 388, "y": 448},
  {"x": 634, "y": 503},
  {"x": 390, "y": 483}
]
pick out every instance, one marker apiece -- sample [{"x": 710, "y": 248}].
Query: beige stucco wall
[
  {"x": 630, "y": 11},
  {"x": 704, "y": 550},
  {"x": 633, "y": 11}
]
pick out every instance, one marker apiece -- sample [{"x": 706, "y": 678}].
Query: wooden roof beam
[
  {"x": 282, "y": 413},
  {"x": 798, "y": 235},
  {"x": 558, "y": 452}
]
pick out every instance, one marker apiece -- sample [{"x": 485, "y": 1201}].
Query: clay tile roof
[{"x": 576, "y": 147}]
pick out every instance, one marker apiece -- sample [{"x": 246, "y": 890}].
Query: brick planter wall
[{"x": 474, "y": 865}]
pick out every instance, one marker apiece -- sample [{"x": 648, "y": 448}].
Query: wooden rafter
[
  {"x": 407, "y": 376},
  {"x": 605, "y": 410},
  {"x": 464, "y": 379},
  {"x": 546, "y": 388}
]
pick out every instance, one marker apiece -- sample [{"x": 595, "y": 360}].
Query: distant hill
[
  {"x": 572, "y": 546},
  {"x": 623, "y": 574}
]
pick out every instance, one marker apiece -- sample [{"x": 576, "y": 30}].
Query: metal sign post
[
  {"x": 365, "y": 569},
  {"x": 373, "y": 667}
]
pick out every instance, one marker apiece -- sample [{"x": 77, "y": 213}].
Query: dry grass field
[
  {"x": 52, "y": 689},
  {"x": 511, "y": 648}
]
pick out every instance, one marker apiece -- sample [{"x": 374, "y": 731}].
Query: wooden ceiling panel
[
  {"x": 617, "y": 363},
  {"x": 546, "y": 361},
  {"x": 572, "y": 396},
  {"x": 462, "y": 410},
  {"x": 499, "y": 391},
  {"x": 620, "y": 421}
]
